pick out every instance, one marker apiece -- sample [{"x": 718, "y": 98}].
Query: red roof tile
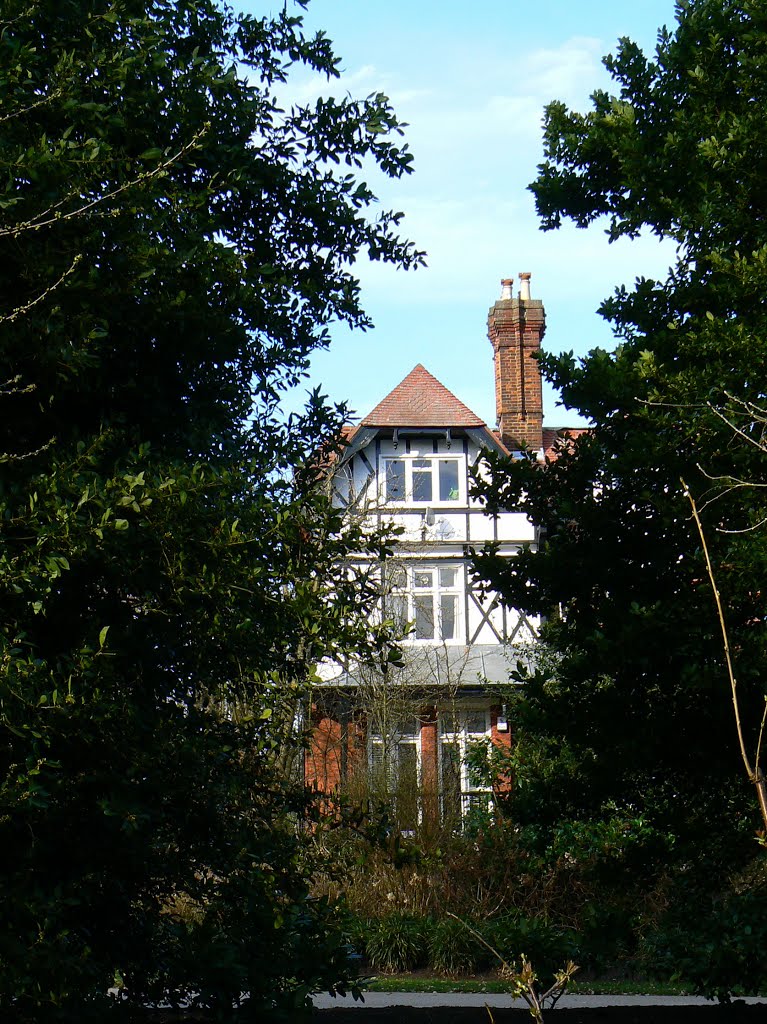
[
  {"x": 421, "y": 401},
  {"x": 554, "y": 438}
]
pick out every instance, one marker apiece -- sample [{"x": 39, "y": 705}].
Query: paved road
[{"x": 432, "y": 999}]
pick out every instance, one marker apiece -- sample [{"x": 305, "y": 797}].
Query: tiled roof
[
  {"x": 554, "y": 438},
  {"x": 421, "y": 401}
]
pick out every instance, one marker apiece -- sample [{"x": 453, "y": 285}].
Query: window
[
  {"x": 425, "y": 598},
  {"x": 460, "y": 791},
  {"x": 422, "y": 481},
  {"x": 394, "y": 768}
]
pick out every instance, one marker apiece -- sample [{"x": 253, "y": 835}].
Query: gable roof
[{"x": 421, "y": 401}]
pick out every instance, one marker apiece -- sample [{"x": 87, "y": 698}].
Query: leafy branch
[
  {"x": 52, "y": 214},
  {"x": 22, "y": 310},
  {"x": 31, "y": 106}
]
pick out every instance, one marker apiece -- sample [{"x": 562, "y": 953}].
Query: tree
[
  {"x": 173, "y": 245},
  {"x": 634, "y": 722}
]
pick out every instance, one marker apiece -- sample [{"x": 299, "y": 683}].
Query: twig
[
  {"x": 761, "y": 733},
  {"x": 742, "y": 529},
  {"x": 736, "y": 429},
  {"x": 21, "y": 310},
  {"x": 36, "y": 222},
  {"x": 723, "y": 626},
  {"x": 524, "y": 979},
  {"x": 32, "y": 106},
  {"x": 754, "y": 774}
]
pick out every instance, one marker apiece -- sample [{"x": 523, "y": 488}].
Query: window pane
[
  {"x": 451, "y": 783},
  {"x": 422, "y": 490},
  {"x": 476, "y": 723},
  {"x": 448, "y": 603},
  {"x": 382, "y": 773},
  {"x": 409, "y": 726},
  {"x": 447, "y": 575},
  {"x": 397, "y": 577},
  {"x": 406, "y": 793},
  {"x": 448, "y": 480},
  {"x": 423, "y": 579},
  {"x": 449, "y": 723},
  {"x": 408, "y": 766},
  {"x": 474, "y": 771},
  {"x": 395, "y": 480},
  {"x": 397, "y": 610},
  {"x": 424, "y": 617}
]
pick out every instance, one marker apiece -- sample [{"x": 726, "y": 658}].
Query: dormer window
[{"x": 425, "y": 481}]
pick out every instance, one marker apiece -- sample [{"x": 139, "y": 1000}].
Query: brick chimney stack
[{"x": 515, "y": 327}]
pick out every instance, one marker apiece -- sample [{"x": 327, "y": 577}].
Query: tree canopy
[
  {"x": 173, "y": 245},
  {"x": 631, "y": 719}
]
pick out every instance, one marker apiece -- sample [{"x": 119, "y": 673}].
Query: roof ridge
[{"x": 420, "y": 400}]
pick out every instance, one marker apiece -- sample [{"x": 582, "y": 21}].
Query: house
[{"x": 405, "y": 731}]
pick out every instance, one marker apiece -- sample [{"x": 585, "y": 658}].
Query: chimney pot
[
  {"x": 507, "y": 284},
  {"x": 524, "y": 286}
]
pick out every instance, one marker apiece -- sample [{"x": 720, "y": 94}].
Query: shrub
[
  {"x": 396, "y": 943},
  {"x": 607, "y": 935},
  {"x": 453, "y": 949},
  {"x": 546, "y": 947},
  {"x": 717, "y": 943}
]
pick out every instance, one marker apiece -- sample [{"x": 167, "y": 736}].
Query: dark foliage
[{"x": 172, "y": 247}]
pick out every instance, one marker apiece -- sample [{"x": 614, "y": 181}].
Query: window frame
[
  {"x": 392, "y": 784},
  {"x": 460, "y": 739},
  {"x": 402, "y": 602},
  {"x": 411, "y": 469}
]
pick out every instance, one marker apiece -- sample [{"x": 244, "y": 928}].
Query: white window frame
[
  {"x": 461, "y": 738},
  {"x": 408, "y": 593},
  {"x": 412, "y": 466}
]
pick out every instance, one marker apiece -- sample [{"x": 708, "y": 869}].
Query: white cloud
[
  {"x": 567, "y": 72},
  {"x": 474, "y": 115}
]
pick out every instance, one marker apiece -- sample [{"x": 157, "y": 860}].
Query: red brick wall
[
  {"x": 323, "y": 758},
  {"x": 502, "y": 740},
  {"x": 429, "y": 765}
]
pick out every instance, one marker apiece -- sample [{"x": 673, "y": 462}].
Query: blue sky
[{"x": 471, "y": 80}]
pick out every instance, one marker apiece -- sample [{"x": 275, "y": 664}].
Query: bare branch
[
  {"x": 736, "y": 429},
  {"x": 734, "y": 481},
  {"x": 481, "y": 938},
  {"x": 7, "y": 457},
  {"x": 11, "y": 387},
  {"x": 742, "y": 529},
  {"x": 754, "y": 774},
  {"x": 761, "y": 734},
  {"x": 752, "y": 409}
]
